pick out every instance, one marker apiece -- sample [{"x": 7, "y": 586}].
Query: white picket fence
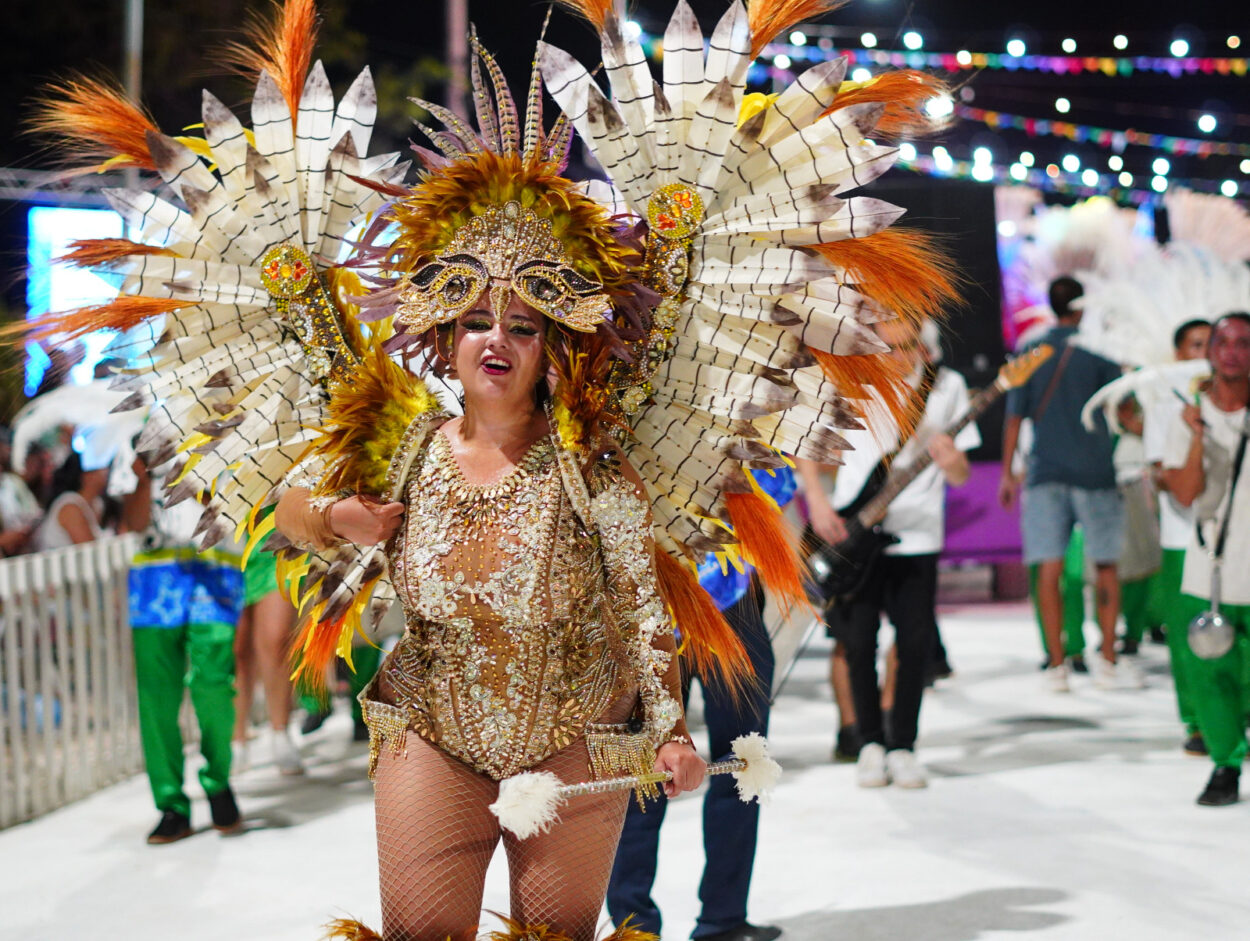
[{"x": 68, "y": 719}]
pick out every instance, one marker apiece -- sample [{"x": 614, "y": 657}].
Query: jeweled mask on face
[{"x": 504, "y": 250}]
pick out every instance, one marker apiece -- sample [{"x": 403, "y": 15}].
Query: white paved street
[{"x": 1048, "y": 816}]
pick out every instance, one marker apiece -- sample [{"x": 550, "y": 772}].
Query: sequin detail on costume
[{"x": 519, "y": 637}]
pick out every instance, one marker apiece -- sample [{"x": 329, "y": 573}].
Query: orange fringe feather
[
  {"x": 283, "y": 47},
  {"x": 100, "y": 253},
  {"x": 857, "y": 376},
  {"x": 904, "y": 270},
  {"x": 594, "y": 12},
  {"x": 769, "y": 18},
  {"x": 904, "y": 93},
  {"x": 96, "y": 123},
  {"x": 119, "y": 314},
  {"x": 708, "y": 642},
  {"x": 348, "y": 929},
  {"x": 768, "y": 543}
]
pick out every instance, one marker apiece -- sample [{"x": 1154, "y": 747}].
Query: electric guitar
[{"x": 841, "y": 570}]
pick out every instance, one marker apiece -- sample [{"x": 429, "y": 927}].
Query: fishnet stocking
[
  {"x": 559, "y": 878},
  {"x": 436, "y": 835}
]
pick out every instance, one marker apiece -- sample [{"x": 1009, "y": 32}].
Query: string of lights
[
  {"x": 1067, "y": 176},
  {"x": 1101, "y": 136}
]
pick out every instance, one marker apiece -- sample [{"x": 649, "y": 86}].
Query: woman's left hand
[{"x": 687, "y": 767}]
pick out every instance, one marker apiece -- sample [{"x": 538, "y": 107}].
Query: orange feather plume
[
  {"x": 100, "y": 253},
  {"x": 348, "y": 929},
  {"x": 769, "y": 18},
  {"x": 857, "y": 377},
  {"x": 96, "y": 123},
  {"x": 313, "y": 650},
  {"x": 904, "y": 93},
  {"x": 768, "y": 543},
  {"x": 709, "y": 644},
  {"x": 119, "y": 314},
  {"x": 283, "y": 47},
  {"x": 904, "y": 270},
  {"x": 595, "y": 12}
]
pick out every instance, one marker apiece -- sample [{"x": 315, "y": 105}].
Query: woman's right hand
[
  {"x": 825, "y": 520},
  {"x": 365, "y": 522}
]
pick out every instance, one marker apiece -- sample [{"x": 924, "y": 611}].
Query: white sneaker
[
  {"x": 904, "y": 769},
  {"x": 240, "y": 756},
  {"x": 1055, "y": 679},
  {"x": 1119, "y": 675},
  {"x": 870, "y": 769},
  {"x": 285, "y": 755},
  {"x": 1129, "y": 674}
]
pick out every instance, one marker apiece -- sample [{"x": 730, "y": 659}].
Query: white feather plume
[
  {"x": 528, "y": 803},
  {"x": 761, "y": 774}
]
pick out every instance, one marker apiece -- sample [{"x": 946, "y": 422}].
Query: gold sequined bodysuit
[{"x": 527, "y": 623}]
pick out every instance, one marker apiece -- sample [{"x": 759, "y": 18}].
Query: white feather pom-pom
[
  {"x": 528, "y": 803},
  {"x": 761, "y": 774}
]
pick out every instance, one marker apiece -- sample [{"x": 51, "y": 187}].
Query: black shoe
[
  {"x": 1158, "y": 635},
  {"x": 314, "y": 721},
  {"x": 173, "y": 827},
  {"x": 225, "y": 811},
  {"x": 745, "y": 932},
  {"x": 1077, "y": 664},
  {"x": 360, "y": 731},
  {"x": 1195, "y": 745},
  {"x": 1128, "y": 646},
  {"x": 848, "y": 744},
  {"x": 1221, "y": 788}
]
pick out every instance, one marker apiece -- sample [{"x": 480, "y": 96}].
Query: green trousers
[
  {"x": 366, "y": 659},
  {"x": 167, "y": 661},
  {"x": 1173, "y": 607},
  {"x": 1135, "y": 606},
  {"x": 1218, "y": 687},
  {"x": 1072, "y": 586}
]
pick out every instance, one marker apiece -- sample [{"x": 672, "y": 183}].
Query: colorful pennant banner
[
  {"x": 1101, "y": 136},
  {"x": 1038, "y": 178},
  {"x": 1059, "y": 65}
]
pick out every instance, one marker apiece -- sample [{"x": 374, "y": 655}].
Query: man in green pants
[
  {"x": 1175, "y": 524},
  {"x": 1203, "y": 468},
  {"x": 183, "y": 608}
]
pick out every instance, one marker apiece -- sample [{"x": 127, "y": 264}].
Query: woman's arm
[
  {"x": 623, "y": 517},
  {"x": 75, "y": 523},
  {"x": 309, "y": 524}
]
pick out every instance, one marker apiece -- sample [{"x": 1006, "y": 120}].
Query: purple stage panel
[{"x": 977, "y": 528}]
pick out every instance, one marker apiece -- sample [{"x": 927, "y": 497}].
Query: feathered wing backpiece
[
  {"x": 770, "y": 274},
  {"x": 231, "y": 268}
]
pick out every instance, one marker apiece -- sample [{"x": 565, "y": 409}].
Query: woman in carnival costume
[{"x": 628, "y": 352}]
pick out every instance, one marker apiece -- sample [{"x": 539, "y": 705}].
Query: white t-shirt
[
  {"x": 1175, "y": 521},
  {"x": 1223, "y": 432},
  {"x": 51, "y": 534},
  {"x": 918, "y": 514}
]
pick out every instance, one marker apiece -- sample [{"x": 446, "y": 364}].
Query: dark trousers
[
  {"x": 904, "y": 587},
  {"x": 729, "y": 825}
]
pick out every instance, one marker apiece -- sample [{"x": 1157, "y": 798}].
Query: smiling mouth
[{"x": 495, "y": 366}]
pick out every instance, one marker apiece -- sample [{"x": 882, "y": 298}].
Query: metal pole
[
  {"x": 132, "y": 65},
  {"x": 457, "y": 56}
]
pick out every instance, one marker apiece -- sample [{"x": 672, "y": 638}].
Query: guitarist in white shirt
[{"x": 903, "y": 583}]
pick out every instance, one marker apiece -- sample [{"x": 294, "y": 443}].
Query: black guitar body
[{"x": 840, "y": 571}]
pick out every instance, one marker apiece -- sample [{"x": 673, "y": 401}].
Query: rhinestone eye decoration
[{"x": 507, "y": 249}]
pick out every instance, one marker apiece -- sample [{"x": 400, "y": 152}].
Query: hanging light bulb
[
  {"x": 1207, "y": 123},
  {"x": 1159, "y": 183},
  {"x": 868, "y": 40},
  {"x": 1071, "y": 163},
  {"x": 1115, "y": 162},
  {"x": 1069, "y": 46},
  {"x": 1089, "y": 176},
  {"x": 1179, "y": 48},
  {"x": 1062, "y": 105},
  {"x": 1016, "y": 47},
  {"x": 1026, "y": 158},
  {"x": 1161, "y": 166},
  {"x": 1229, "y": 188},
  {"x": 1019, "y": 172},
  {"x": 913, "y": 40},
  {"x": 1120, "y": 41}
]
